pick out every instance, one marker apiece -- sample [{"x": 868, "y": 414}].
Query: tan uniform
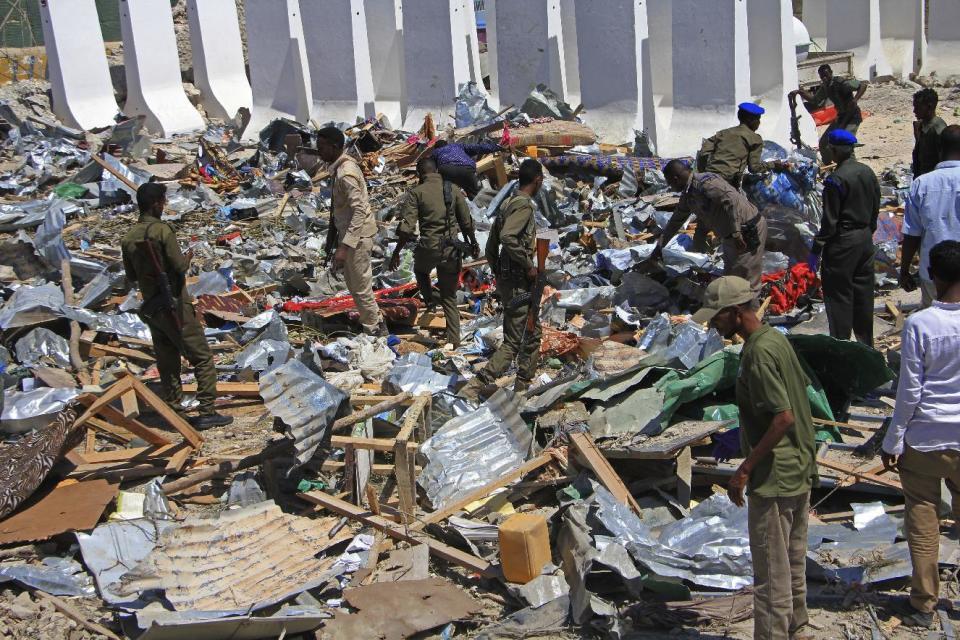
[
  {"x": 169, "y": 342},
  {"x": 724, "y": 210},
  {"x": 729, "y": 153},
  {"x": 356, "y": 227},
  {"x": 425, "y": 208}
]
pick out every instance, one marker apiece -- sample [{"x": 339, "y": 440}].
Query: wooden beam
[
  {"x": 399, "y": 532},
  {"x": 114, "y": 422},
  {"x": 596, "y": 462},
  {"x": 128, "y": 404},
  {"x": 866, "y": 476},
  {"x": 168, "y": 414},
  {"x": 239, "y": 389},
  {"x": 97, "y": 350},
  {"x": 484, "y": 491},
  {"x": 384, "y": 403}
]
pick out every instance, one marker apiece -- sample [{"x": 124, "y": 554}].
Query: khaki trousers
[
  {"x": 358, "y": 273},
  {"x": 778, "y": 545},
  {"x": 920, "y": 475},
  {"x": 448, "y": 279}
]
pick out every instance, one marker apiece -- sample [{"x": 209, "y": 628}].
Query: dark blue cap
[
  {"x": 752, "y": 108},
  {"x": 841, "y": 137}
]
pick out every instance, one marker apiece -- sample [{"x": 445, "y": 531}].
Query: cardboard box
[{"x": 524, "y": 547}]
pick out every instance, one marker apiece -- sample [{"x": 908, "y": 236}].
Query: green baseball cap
[{"x": 728, "y": 291}]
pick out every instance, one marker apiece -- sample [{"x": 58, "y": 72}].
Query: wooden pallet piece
[
  {"x": 404, "y": 459},
  {"x": 595, "y": 461},
  {"x": 864, "y": 475},
  {"x": 399, "y": 532}
]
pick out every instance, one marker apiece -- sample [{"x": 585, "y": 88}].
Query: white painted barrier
[
  {"x": 154, "y": 85},
  {"x": 529, "y": 48},
  {"x": 472, "y": 41},
  {"x": 773, "y": 70},
  {"x": 77, "y": 64},
  {"x": 943, "y": 39},
  {"x": 711, "y": 73},
  {"x": 854, "y": 25},
  {"x": 902, "y": 34},
  {"x": 815, "y": 19},
  {"x": 660, "y": 28},
  {"x": 219, "y": 71},
  {"x": 435, "y": 58},
  {"x": 617, "y": 94},
  {"x": 385, "y": 36},
  {"x": 335, "y": 36},
  {"x": 279, "y": 74},
  {"x": 571, "y": 50}
]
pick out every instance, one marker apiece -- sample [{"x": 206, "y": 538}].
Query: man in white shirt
[
  {"x": 923, "y": 441},
  {"x": 932, "y": 214}
]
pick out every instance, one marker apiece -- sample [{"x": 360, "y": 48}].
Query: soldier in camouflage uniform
[
  {"x": 170, "y": 341},
  {"x": 432, "y": 206}
]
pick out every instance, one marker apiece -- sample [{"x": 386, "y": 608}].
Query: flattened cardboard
[{"x": 70, "y": 507}]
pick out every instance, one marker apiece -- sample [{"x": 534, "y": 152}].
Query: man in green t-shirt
[
  {"x": 845, "y": 95},
  {"x": 778, "y": 439}
]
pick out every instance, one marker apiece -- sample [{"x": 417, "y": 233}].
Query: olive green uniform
[
  {"x": 169, "y": 343},
  {"x": 425, "y": 207},
  {"x": 848, "y": 119},
  {"x": 725, "y": 211},
  {"x": 771, "y": 381},
  {"x": 518, "y": 238},
  {"x": 730, "y": 152},
  {"x": 851, "y": 204},
  {"x": 926, "y": 150}
]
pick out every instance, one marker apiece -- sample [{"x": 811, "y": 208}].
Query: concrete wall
[
  {"x": 219, "y": 71},
  {"x": 815, "y": 19},
  {"x": 943, "y": 39},
  {"x": 385, "y": 36},
  {"x": 902, "y": 34},
  {"x": 854, "y": 25}
]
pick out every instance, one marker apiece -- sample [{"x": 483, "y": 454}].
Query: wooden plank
[
  {"x": 109, "y": 415},
  {"x": 128, "y": 405},
  {"x": 239, "y": 389},
  {"x": 403, "y": 398},
  {"x": 860, "y": 475},
  {"x": 369, "y": 444},
  {"x": 484, "y": 491},
  {"x": 399, "y": 532},
  {"x": 128, "y": 455},
  {"x": 111, "y": 394},
  {"x": 594, "y": 460},
  {"x": 406, "y": 481},
  {"x": 179, "y": 459},
  {"x": 846, "y": 425},
  {"x": 377, "y": 469},
  {"x": 384, "y": 403},
  {"x": 168, "y": 414},
  {"x": 97, "y": 350}
]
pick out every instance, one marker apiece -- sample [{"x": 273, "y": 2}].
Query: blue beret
[
  {"x": 841, "y": 137},
  {"x": 751, "y": 108}
]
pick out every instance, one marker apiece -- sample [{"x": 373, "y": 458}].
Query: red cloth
[{"x": 788, "y": 286}]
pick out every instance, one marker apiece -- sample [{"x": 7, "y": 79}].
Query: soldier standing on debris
[
  {"x": 932, "y": 215},
  {"x": 725, "y": 211},
  {"x": 439, "y": 209},
  {"x": 152, "y": 259},
  {"x": 926, "y": 132},
  {"x": 730, "y": 152},
  {"x": 851, "y": 204},
  {"x": 778, "y": 439},
  {"x": 845, "y": 96},
  {"x": 352, "y": 227},
  {"x": 510, "y": 252},
  {"x": 923, "y": 442}
]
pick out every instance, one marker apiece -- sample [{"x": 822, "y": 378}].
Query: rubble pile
[{"x": 356, "y": 495}]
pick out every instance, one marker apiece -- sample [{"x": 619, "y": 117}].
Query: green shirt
[
  {"x": 424, "y": 207},
  {"x": 926, "y": 150},
  {"x": 770, "y": 381},
  {"x": 140, "y": 268},
  {"x": 729, "y": 153},
  {"x": 831, "y": 92}
]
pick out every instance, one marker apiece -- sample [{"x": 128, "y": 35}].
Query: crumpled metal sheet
[
  {"x": 305, "y": 402},
  {"x": 47, "y": 296},
  {"x": 244, "y": 560},
  {"x": 99, "y": 288},
  {"x": 414, "y": 372},
  {"x": 49, "y": 237},
  {"x": 25, "y": 410},
  {"x": 114, "y": 548},
  {"x": 122, "y": 324},
  {"x": 474, "y": 449},
  {"x": 57, "y": 576},
  {"x": 472, "y": 108},
  {"x": 585, "y": 298},
  {"x": 206, "y": 625},
  {"x": 210, "y": 283},
  {"x": 264, "y": 355},
  {"x": 265, "y": 326},
  {"x": 23, "y": 215},
  {"x": 112, "y": 183},
  {"x": 43, "y": 343}
]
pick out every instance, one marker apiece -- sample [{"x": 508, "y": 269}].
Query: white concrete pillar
[
  {"x": 529, "y": 49},
  {"x": 571, "y": 50},
  {"x": 773, "y": 70},
  {"x": 815, "y": 20},
  {"x": 77, "y": 64},
  {"x": 385, "y": 36},
  {"x": 279, "y": 74},
  {"x": 854, "y": 25},
  {"x": 154, "y": 85},
  {"x": 435, "y": 56},
  {"x": 219, "y": 71},
  {"x": 711, "y": 73},
  {"x": 902, "y": 34},
  {"x": 943, "y": 39},
  {"x": 472, "y": 41},
  {"x": 617, "y": 94},
  {"x": 335, "y": 36}
]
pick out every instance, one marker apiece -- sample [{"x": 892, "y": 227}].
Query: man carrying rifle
[
  {"x": 152, "y": 259},
  {"x": 510, "y": 253}
]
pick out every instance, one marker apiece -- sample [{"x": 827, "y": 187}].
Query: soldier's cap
[
  {"x": 752, "y": 108},
  {"x": 728, "y": 291},
  {"x": 842, "y": 138}
]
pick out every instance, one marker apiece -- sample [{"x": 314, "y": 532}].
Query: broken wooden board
[
  {"x": 399, "y": 532},
  {"x": 238, "y": 389},
  {"x": 594, "y": 460},
  {"x": 76, "y": 506}
]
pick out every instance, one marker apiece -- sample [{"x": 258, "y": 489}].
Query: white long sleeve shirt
[{"x": 927, "y": 415}]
